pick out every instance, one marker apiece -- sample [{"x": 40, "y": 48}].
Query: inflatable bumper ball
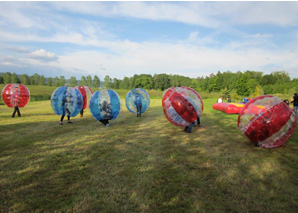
[
  {"x": 105, "y": 105},
  {"x": 15, "y": 94},
  {"x": 137, "y": 95},
  {"x": 64, "y": 98},
  {"x": 182, "y": 105},
  {"x": 86, "y": 94},
  {"x": 267, "y": 120}
]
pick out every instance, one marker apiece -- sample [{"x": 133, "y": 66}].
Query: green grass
[{"x": 140, "y": 165}]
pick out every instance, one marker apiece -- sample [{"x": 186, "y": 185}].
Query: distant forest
[{"x": 236, "y": 84}]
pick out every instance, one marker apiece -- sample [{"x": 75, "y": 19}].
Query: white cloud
[
  {"x": 6, "y": 63},
  {"x": 209, "y": 14},
  {"x": 126, "y": 58},
  {"x": 43, "y": 55},
  {"x": 193, "y": 36},
  {"x": 18, "y": 49},
  {"x": 90, "y": 36},
  {"x": 258, "y": 35},
  {"x": 184, "y": 12},
  {"x": 10, "y": 12},
  {"x": 274, "y": 13},
  {"x": 154, "y": 57},
  {"x": 9, "y": 60}
]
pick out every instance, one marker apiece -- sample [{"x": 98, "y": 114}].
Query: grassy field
[{"x": 141, "y": 164}]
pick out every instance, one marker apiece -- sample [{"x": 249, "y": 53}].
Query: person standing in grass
[
  {"x": 66, "y": 111},
  {"x": 198, "y": 122},
  {"x": 188, "y": 129},
  {"x": 82, "y": 112},
  {"x": 105, "y": 122},
  {"x": 138, "y": 104},
  {"x": 219, "y": 100},
  {"x": 295, "y": 103},
  {"x": 106, "y": 110},
  {"x": 228, "y": 99},
  {"x": 16, "y": 103}
]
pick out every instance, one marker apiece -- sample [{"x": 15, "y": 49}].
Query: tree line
[
  {"x": 249, "y": 83},
  {"x": 36, "y": 79},
  {"x": 146, "y": 81}
]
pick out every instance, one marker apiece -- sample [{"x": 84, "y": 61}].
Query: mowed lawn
[{"x": 141, "y": 164}]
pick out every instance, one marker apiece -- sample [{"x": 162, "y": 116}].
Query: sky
[{"x": 120, "y": 39}]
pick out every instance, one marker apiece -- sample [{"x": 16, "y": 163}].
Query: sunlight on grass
[{"x": 140, "y": 164}]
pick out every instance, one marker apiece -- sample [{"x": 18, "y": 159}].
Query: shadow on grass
[{"x": 142, "y": 164}]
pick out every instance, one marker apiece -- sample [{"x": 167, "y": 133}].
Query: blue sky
[{"x": 125, "y": 38}]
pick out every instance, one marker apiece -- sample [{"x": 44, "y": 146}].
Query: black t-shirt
[{"x": 295, "y": 102}]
